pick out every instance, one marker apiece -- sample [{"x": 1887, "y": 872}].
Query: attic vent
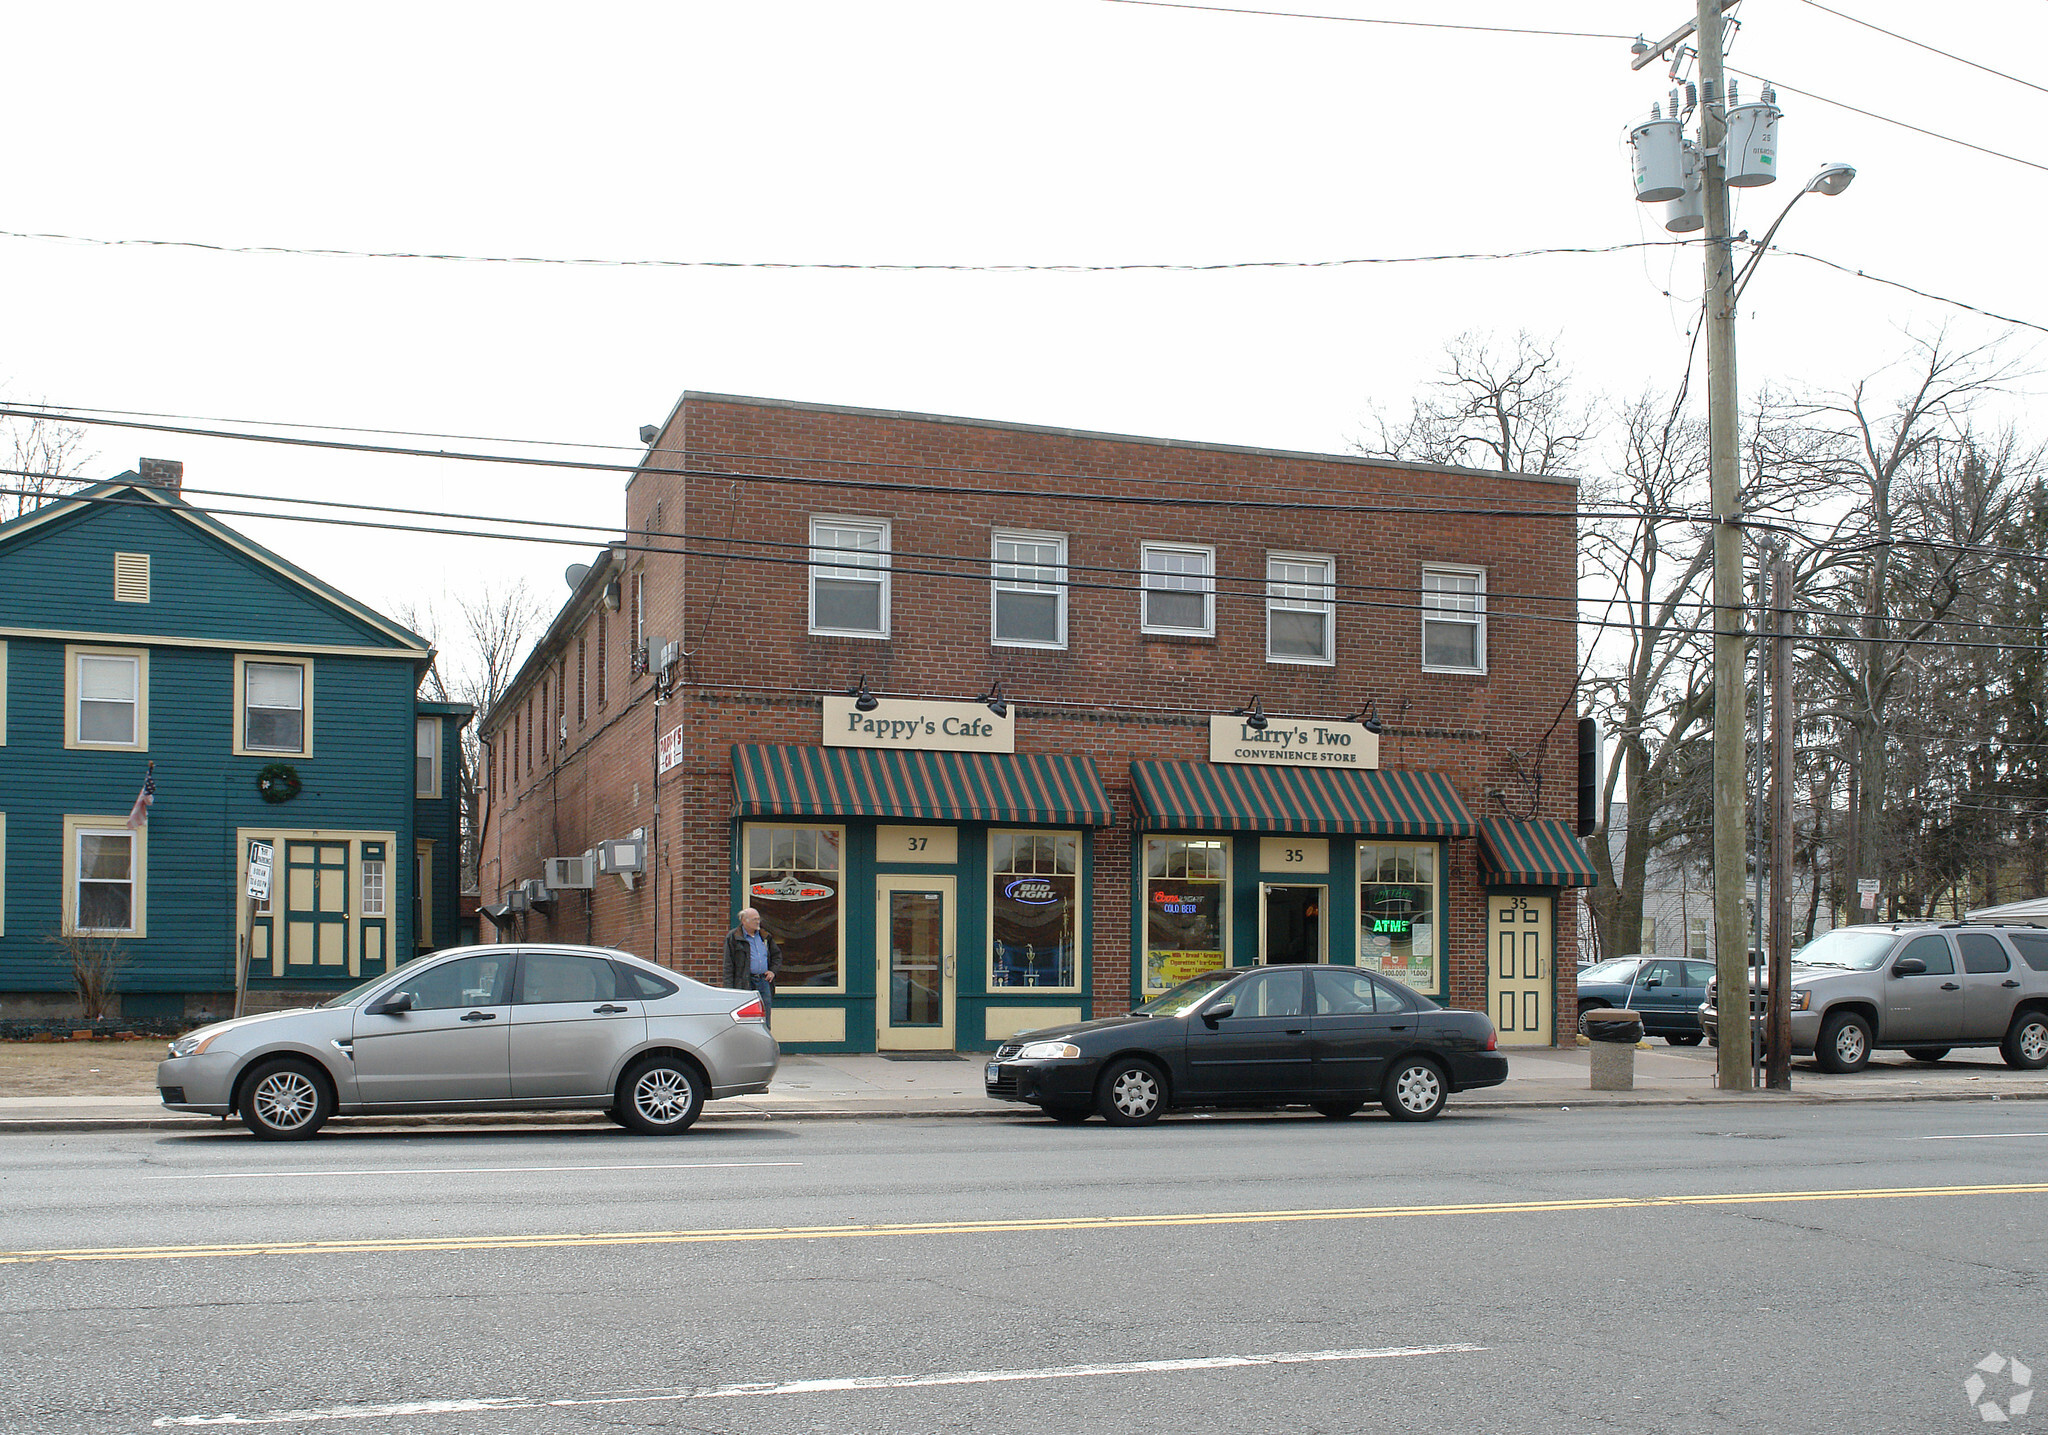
[{"x": 131, "y": 577}]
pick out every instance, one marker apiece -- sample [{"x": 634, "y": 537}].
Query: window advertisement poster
[
  {"x": 1184, "y": 919},
  {"x": 1397, "y": 903}
]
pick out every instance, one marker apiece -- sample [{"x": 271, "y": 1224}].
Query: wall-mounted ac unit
[
  {"x": 537, "y": 893},
  {"x": 515, "y": 899},
  {"x": 622, "y": 855},
  {"x": 566, "y": 874}
]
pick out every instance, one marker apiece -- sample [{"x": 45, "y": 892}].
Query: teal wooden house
[{"x": 143, "y": 642}]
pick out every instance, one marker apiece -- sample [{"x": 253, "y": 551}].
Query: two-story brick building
[
  {"x": 1000, "y": 725},
  {"x": 141, "y": 638}
]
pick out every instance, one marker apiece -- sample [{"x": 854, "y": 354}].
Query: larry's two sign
[{"x": 1288, "y": 742}]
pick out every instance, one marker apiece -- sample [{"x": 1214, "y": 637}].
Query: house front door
[{"x": 1521, "y": 969}]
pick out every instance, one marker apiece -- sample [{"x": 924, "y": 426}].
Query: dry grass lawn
[{"x": 80, "y": 1068}]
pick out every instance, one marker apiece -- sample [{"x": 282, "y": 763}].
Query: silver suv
[{"x": 1921, "y": 988}]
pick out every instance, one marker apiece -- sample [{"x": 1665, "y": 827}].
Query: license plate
[{"x": 994, "y": 1073}]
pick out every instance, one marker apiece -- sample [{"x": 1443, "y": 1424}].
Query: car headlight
[
  {"x": 1048, "y": 1050},
  {"x": 1802, "y": 1001},
  {"x": 192, "y": 1045}
]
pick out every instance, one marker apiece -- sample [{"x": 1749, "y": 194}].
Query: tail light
[
  {"x": 1492, "y": 1038},
  {"x": 752, "y": 1011}
]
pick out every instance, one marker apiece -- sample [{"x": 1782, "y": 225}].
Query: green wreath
[{"x": 279, "y": 782}]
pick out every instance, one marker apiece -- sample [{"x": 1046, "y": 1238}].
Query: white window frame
[
  {"x": 370, "y": 875},
  {"x": 433, "y": 789},
  {"x": 833, "y": 563},
  {"x": 1285, "y": 604},
  {"x": 73, "y": 696},
  {"x": 76, "y": 829},
  {"x": 241, "y": 746},
  {"x": 1434, "y": 612},
  {"x": 999, "y": 585},
  {"x": 1147, "y": 588}
]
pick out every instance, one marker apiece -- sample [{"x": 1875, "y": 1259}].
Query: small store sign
[
  {"x": 789, "y": 889},
  {"x": 1288, "y": 742},
  {"x": 670, "y": 749},
  {"x": 919, "y": 726}
]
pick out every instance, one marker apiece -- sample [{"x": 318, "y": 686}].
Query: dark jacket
[{"x": 739, "y": 958}]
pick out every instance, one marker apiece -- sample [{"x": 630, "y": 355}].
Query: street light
[{"x": 1830, "y": 181}]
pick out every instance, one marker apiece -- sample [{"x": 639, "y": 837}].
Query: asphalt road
[{"x": 1649, "y": 1269}]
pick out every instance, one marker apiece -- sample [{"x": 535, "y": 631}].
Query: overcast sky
[{"x": 958, "y": 132}]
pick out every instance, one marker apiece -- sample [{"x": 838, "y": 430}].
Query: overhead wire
[
  {"x": 1886, "y": 119},
  {"x": 1922, "y": 45},
  {"x": 1372, "y": 20}
]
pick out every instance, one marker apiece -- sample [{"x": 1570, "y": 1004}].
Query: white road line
[
  {"x": 809, "y": 1387},
  {"x": 468, "y": 1170},
  {"x": 1981, "y": 1136}
]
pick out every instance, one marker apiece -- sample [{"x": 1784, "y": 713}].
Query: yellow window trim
[
  {"x": 845, "y": 861},
  {"x": 996, "y": 879},
  {"x": 241, "y": 713},
  {"x": 435, "y": 788},
  {"x": 72, "y": 653},
  {"x": 138, "y": 873}
]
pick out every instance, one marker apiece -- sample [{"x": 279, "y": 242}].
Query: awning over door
[
  {"x": 1542, "y": 852},
  {"x": 1232, "y": 797},
  {"x": 787, "y": 781}
]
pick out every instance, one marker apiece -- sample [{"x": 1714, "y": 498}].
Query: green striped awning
[
  {"x": 1247, "y": 797},
  {"x": 786, "y": 781},
  {"x": 1543, "y": 852}
]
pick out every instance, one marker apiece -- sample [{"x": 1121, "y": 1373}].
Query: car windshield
[
  {"x": 1188, "y": 994},
  {"x": 1614, "y": 969},
  {"x": 356, "y": 992},
  {"x": 1849, "y": 948}
]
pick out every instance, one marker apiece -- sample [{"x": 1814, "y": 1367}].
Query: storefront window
[
  {"x": 1187, "y": 883},
  {"x": 1034, "y": 909},
  {"x": 1397, "y": 913},
  {"x": 794, "y": 882}
]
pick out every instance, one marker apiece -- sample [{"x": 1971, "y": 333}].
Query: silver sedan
[{"x": 502, "y": 1028}]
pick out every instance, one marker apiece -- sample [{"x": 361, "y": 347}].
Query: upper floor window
[
  {"x": 1179, "y": 589},
  {"x": 426, "y": 757},
  {"x": 604, "y": 623},
  {"x": 1300, "y": 608},
  {"x": 1454, "y": 620},
  {"x": 274, "y": 700},
  {"x": 850, "y": 577},
  {"x": 1029, "y": 600},
  {"x": 106, "y": 700},
  {"x": 582, "y": 679}
]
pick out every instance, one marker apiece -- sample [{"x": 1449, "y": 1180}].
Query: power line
[
  {"x": 1907, "y": 39},
  {"x": 1368, "y": 20},
  {"x": 1895, "y": 284},
  {"x": 1885, "y": 119}
]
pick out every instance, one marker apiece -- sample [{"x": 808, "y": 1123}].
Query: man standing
[{"x": 752, "y": 958}]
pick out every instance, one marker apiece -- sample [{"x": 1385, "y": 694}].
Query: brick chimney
[{"x": 167, "y": 473}]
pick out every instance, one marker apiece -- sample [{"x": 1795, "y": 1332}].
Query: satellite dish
[{"x": 574, "y": 575}]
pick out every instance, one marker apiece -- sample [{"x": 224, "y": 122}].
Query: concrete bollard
[{"x": 1614, "y": 1032}]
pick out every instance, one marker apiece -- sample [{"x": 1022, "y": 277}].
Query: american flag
[{"x": 138, "y": 815}]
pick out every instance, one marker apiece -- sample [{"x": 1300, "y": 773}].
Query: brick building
[{"x": 1001, "y": 725}]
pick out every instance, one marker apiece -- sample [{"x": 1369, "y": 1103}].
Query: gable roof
[{"x": 129, "y": 491}]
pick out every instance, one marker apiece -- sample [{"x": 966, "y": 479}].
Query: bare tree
[
  {"x": 1507, "y": 407},
  {"x": 43, "y": 459},
  {"x": 491, "y": 633}
]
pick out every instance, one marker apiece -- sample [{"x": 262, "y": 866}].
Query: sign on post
[{"x": 259, "y": 871}]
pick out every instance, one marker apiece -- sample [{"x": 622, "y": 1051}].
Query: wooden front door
[{"x": 1521, "y": 972}]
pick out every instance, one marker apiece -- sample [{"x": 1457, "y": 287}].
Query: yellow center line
[{"x": 429, "y": 1244}]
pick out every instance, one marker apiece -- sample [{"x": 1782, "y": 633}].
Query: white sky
[{"x": 889, "y": 131}]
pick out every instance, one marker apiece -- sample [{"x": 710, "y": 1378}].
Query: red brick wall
[{"x": 1113, "y": 693}]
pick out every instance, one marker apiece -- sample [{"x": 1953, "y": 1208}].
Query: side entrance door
[
  {"x": 916, "y": 963},
  {"x": 1521, "y": 973}
]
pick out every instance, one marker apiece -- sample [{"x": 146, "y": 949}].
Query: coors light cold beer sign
[
  {"x": 1290, "y": 742},
  {"x": 919, "y": 726}
]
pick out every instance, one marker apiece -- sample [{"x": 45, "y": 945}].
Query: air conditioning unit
[
  {"x": 537, "y": 893},
  {"x": 623, "y": 856},
  {"x": 515, "y": 899},
  {"x": 566, "y": 874}
]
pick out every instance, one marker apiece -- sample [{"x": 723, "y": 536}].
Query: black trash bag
[{"x": 1617, "y": 1026}]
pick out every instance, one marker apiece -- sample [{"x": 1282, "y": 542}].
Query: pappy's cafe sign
[
  {"x": 929, "y": 727},
  {"x": 1287, "y": 742}
]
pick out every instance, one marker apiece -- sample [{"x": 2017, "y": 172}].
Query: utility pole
[{"x": 1778, "y": 1024}]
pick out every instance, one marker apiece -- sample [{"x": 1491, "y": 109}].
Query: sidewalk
[{"x": 869, "y": 1087}]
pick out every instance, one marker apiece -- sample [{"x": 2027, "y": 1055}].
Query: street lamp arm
[{"x": 1832, "y": 180}]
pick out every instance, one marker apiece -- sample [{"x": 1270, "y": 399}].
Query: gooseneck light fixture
[
  {"x": 1370, "y": 716},
  {"x": 994, "y": 699},
  {"x": 1253, "y": 713},
  {"x": 863, "y": 700}
]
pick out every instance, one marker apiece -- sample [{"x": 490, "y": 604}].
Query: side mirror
[
  {"x": 1218, "y": 1012},
  {"x": 1908, "y": 967},
  {"x": 390, "y": 1005},
  {"x": 1653, "y": 982}
]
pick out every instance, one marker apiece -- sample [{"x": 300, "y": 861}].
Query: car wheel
[
  {"x": 1685, "y": 1039},
  {"x": 1416, "y": 1090},
  {"x": 1338, "y": 1110},
  {"x": 2026, "y": 1045},
  {"x": 1844, "y": 1043},
  {"x": 660, "y": 1096},
  {"x": 1068, "y": 1115},
  {"x": 285, "y": 1100},
  {"x": 1132, "y": 1093},
  {"x": 1927, "y": 1053}
]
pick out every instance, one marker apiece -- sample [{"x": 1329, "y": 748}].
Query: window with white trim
[
  {"x": 273, "y": 706},
  {"x": 1028, "y": 601},
  {"x": 1454, "y": 620},
  {"x": 426, "y": 757},
  {"x": 373, "y": 887},
  {"x": 850, "y": 577},
  {"x": 1180, "y": 587},
  {"x": 1300, "y": 608}
]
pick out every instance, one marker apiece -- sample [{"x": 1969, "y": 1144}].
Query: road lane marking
[
  {"x": 1981, "y": 1136},
  {"x": 433, "y": 1244},
  {"x": 812, "y": 1387},
  {"x": 468, "y": 1170}
]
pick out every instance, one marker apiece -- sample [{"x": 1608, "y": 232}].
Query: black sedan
[{"x": 1332, "y": 1038}]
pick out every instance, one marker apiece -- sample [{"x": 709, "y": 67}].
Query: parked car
[
  {"x": 1665, "y": 991},
  {"x": 1922, "y": 988},
  {"x": 1331, "y": 1038},
  {"x": 500, "y": 1028}
]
